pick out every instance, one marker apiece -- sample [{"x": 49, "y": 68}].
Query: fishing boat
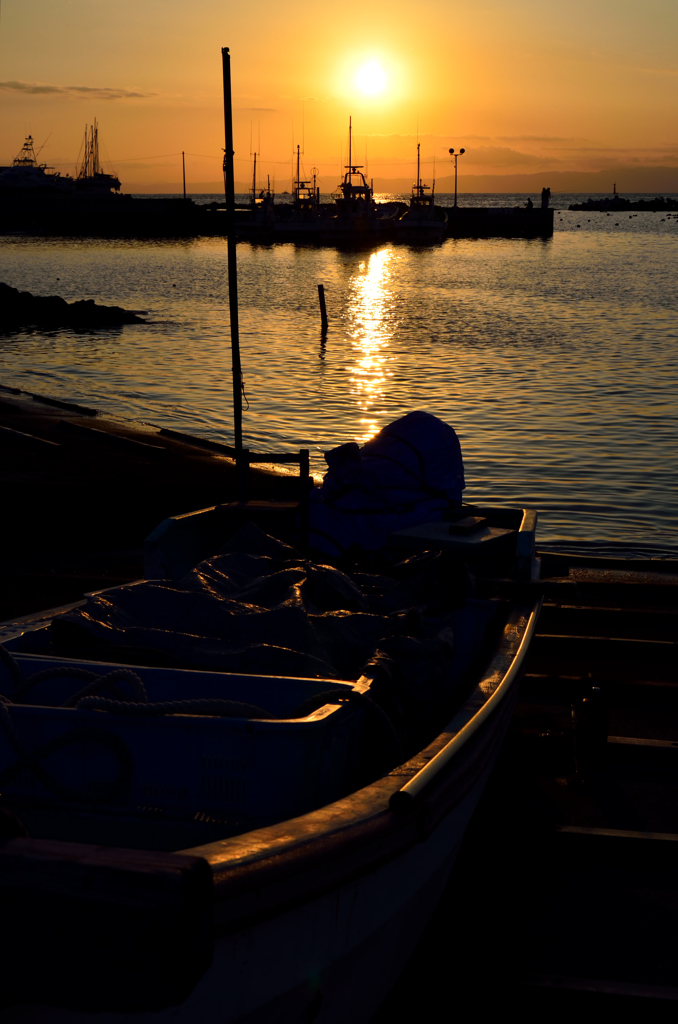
[
  {"x": 357, "y": 213},
  {"x": 27, "y": 175},
  {"x": 301, "y": 218},
  {"x": 354, "y": 217},
  {"x": 91, "y": 178},
  {"x": 422, "y": 221},
  {"x": 309, "y": 916}
]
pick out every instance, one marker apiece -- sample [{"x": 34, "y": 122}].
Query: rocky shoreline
[{"x": 22, "y": 309}]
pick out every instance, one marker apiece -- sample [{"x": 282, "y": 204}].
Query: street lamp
[{"x": 456, "y": 155}]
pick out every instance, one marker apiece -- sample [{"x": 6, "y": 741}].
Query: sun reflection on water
[{"x": 370, "y": 329}]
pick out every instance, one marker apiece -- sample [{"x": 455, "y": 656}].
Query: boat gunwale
[{"x": 287, "y": 864}]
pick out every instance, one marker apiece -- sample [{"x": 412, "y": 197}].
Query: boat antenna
[
  {"x": 183, "y": 168},
  {"x": 229, "y": 185},
  {"x": 350, "y": 143},
  {"x": 43, "y": 145}
]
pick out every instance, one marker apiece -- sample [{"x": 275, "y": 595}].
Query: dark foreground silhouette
[{"x": 21, "y": 309}]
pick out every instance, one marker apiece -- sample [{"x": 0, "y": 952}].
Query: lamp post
[{"x": 456, "y": 155}]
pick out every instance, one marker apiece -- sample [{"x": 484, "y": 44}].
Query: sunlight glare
[
  {"x": 371, "y": 78},
  {"x": 370, "y": 318}
]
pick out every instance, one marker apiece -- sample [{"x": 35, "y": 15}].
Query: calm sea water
[{"x": 555, "y": 361}]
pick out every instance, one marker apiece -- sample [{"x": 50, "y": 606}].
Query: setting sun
[{"x": 371, "y": 79}]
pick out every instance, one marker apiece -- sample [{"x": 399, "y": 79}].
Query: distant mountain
[{"x": 627, "y": 178}]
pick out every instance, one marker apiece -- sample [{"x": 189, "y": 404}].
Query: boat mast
[
  {"x": 297, "y": 189},
  {"x": 350, "y": 144},
  {"x": 254, "y": 181},
  {"x": 229, "y": 184},
  {"x": 95, "y": 147},
  {"x": 418, "y": 169}
]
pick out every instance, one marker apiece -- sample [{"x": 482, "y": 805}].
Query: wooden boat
[{"x": 306, "y": 919}]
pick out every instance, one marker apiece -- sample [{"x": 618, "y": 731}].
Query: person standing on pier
[{"x": 545, "y": 198}]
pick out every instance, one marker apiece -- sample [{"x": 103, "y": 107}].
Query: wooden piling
[{"x": 323, "y": 308}]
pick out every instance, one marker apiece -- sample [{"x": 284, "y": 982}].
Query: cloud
[{"x": 81, "y": 91}]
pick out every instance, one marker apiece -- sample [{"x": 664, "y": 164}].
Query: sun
[{"x": 371, "y": 78}]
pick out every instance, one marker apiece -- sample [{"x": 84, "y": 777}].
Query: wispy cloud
[{"x": 81, "y": 91}]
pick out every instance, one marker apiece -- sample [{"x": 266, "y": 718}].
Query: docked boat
[
  {"x": 91, "y": 178},
  {"x": 276, "y": 859},
  {"x": 353, "y": 217},
  {"x": 357, "y": 214},
  {"x": 300, "y": 218},
  {"x": 27, "y": 175},
  {"x": 422, "y": 221}
]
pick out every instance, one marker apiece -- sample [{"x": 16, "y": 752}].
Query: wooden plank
[
  {"x": 636, "y": 741},
  {"x": 619, "y": 623},
  {"x": 615, "y": 833},
  {"x": 602, "y": 986}
]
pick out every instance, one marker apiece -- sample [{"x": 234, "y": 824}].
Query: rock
[{"x": 21, "y": 309}]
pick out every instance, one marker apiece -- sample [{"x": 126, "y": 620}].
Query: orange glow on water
[{"x": 370, "y": 331}]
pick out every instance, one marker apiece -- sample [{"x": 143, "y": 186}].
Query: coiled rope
[
  {"x": 136, "y": 703},
  {"x": 30, "y": 760}
]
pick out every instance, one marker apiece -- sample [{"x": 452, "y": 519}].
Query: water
[{"x": 555, "y": 361}]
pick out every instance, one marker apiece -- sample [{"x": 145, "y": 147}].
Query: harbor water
[{"x": 555, "y": 360}]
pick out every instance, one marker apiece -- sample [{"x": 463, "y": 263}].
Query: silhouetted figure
[
  {"x": 545, "y": 198},
  {"x": 529, "y": 205}
]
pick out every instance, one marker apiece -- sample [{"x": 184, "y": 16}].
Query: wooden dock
[{"x": 566, "y": 892}]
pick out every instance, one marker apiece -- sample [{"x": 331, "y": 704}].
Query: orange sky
[{"x": 527, "y": 87}]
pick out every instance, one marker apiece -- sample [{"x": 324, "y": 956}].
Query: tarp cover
[
  {"x": 410, "y": 473},
  {"x": 259, "y": 607}
]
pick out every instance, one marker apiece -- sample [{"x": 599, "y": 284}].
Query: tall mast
[
  {"x": 418, "y": 166},
  {"x": 254, "y": 181},
  {"x": 297, "y": 171},
  {"x": 229, "y": 183},
  {"x": 350, "y": 146}
]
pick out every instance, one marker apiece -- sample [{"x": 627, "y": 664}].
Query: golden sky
[{"x": 527, "y": 87}]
